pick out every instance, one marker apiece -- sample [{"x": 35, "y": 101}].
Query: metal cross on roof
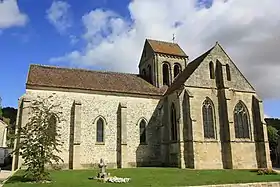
[{"x": 173, "y": 38}]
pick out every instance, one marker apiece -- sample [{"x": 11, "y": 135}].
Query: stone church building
[{"x": 202, "y": 114}]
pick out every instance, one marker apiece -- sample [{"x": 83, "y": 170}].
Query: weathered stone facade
[
  {"x": 175, "y": 122},
  {"x": 88, "y": 108}
]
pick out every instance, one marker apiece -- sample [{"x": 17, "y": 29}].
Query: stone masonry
[{"x": 85, "y": 152}]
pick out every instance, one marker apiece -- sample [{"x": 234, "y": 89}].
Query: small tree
[
  {"x": 40, "y": 138},
  {"x": 273, "y": 141},
  {"x": 11, "y": 114},
  {"x": 273, "y": 136}
]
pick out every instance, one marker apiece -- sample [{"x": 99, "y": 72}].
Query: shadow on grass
[
  {"x": 18, "y": 178},
  {"x": 254, "y": 170}
]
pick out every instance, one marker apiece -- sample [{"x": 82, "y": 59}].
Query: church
[{"x": 202, "y": 114}]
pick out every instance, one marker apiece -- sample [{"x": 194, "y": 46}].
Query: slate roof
[
  {"x": 186, "y": 73},
  {"x": 166, "y": 48},
  {"x": 55, "y": 77}
]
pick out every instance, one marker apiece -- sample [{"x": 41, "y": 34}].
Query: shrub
[{"x": 266, "y": 171}]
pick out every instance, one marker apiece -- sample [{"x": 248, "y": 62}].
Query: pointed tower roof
[{"x": 168, "y": 48}]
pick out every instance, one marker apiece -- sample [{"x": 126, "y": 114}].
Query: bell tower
[{"x": 161, "y": 62}]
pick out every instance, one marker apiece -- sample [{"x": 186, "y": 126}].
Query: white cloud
[
  {"x": 266, "y": 116},
  {"x": 58, "y": 15},
  {"x": 249, "y": 32},
  {"x": 10, "y": 14},
  {"x": 73, "y": 39}
]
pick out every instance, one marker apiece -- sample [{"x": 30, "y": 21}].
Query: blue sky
[
  {"x": 74, "y": 34},
  {"x": 37, "y": 41}
]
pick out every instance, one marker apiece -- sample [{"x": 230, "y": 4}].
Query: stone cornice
[
  {"x": 229, "y": 89},
  {"x": 121, "y": 94}
]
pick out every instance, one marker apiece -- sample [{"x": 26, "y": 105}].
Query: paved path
[{"x": 4, "y": 174}]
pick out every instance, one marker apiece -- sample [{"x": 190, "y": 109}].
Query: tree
[
  {"x": 11, "y": 114},
  {"x": 274, "y": 122},
  {"x": 273, "y": 136},
  {"x": 40, "y": 138}
]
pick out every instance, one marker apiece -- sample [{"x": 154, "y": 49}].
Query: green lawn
[{"x": 148, "y": 177}]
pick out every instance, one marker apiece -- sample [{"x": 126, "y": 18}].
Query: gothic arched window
[
  {"x": 177, "y": 69},
  {"x": 173, "y": 123},
  {"x": 241, "y": 121},
  {"x": 142, "y": 127},
  {"x": 211, "y": 69},
  {"x": 208, "y": 118},
  {"x": 150, "y": 73},
  {"x": 100, "y": 130},
  {"x": 228, "y": 73},
  {"x": 165, "y": 74}
]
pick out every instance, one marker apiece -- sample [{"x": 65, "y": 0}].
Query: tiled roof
[
  {"x": 186, "y": 73},
  {"x": 166, "y": 48},
  {"x": 47, "y": 76}
]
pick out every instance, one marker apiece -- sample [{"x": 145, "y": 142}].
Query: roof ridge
[
  {"x": 162, "y": 41},
  {"x": 188, "y": 71},
  {"x": 81, "y": 69},
  {"x": 165, "y": 47},
  {"x": 61, "y": 77}
]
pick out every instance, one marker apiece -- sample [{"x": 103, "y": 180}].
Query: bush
[{"x": 266, "y": 171}]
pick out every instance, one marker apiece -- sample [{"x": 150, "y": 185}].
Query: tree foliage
[
  {"x": 273, "y": 136},
  {"x": 274, "y": 122},
  {"x": 40, "y": 138},
  {"x": 273, "y": 131},
  {"x": 11, "y": 114}
]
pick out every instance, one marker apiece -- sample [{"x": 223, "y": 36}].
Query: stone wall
[
  {"x": 195, "y": 151},
  {"x": 147, "y": 58},
  {"x": 210, "y": 153},
  {"x": 225, "y": 149},
  {"x": 201, "y": 76},
  {"x": 207, "y": 152},
  {"x": 94, "y": 106},
  {"x": 171, "y": 60},
  {"x": 238, "y": 146}
]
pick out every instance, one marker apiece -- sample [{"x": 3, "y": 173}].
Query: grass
[{"x": 156, "y": 177}]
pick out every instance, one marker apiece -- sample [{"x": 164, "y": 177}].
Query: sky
[{"x": 109, "y": 35}]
